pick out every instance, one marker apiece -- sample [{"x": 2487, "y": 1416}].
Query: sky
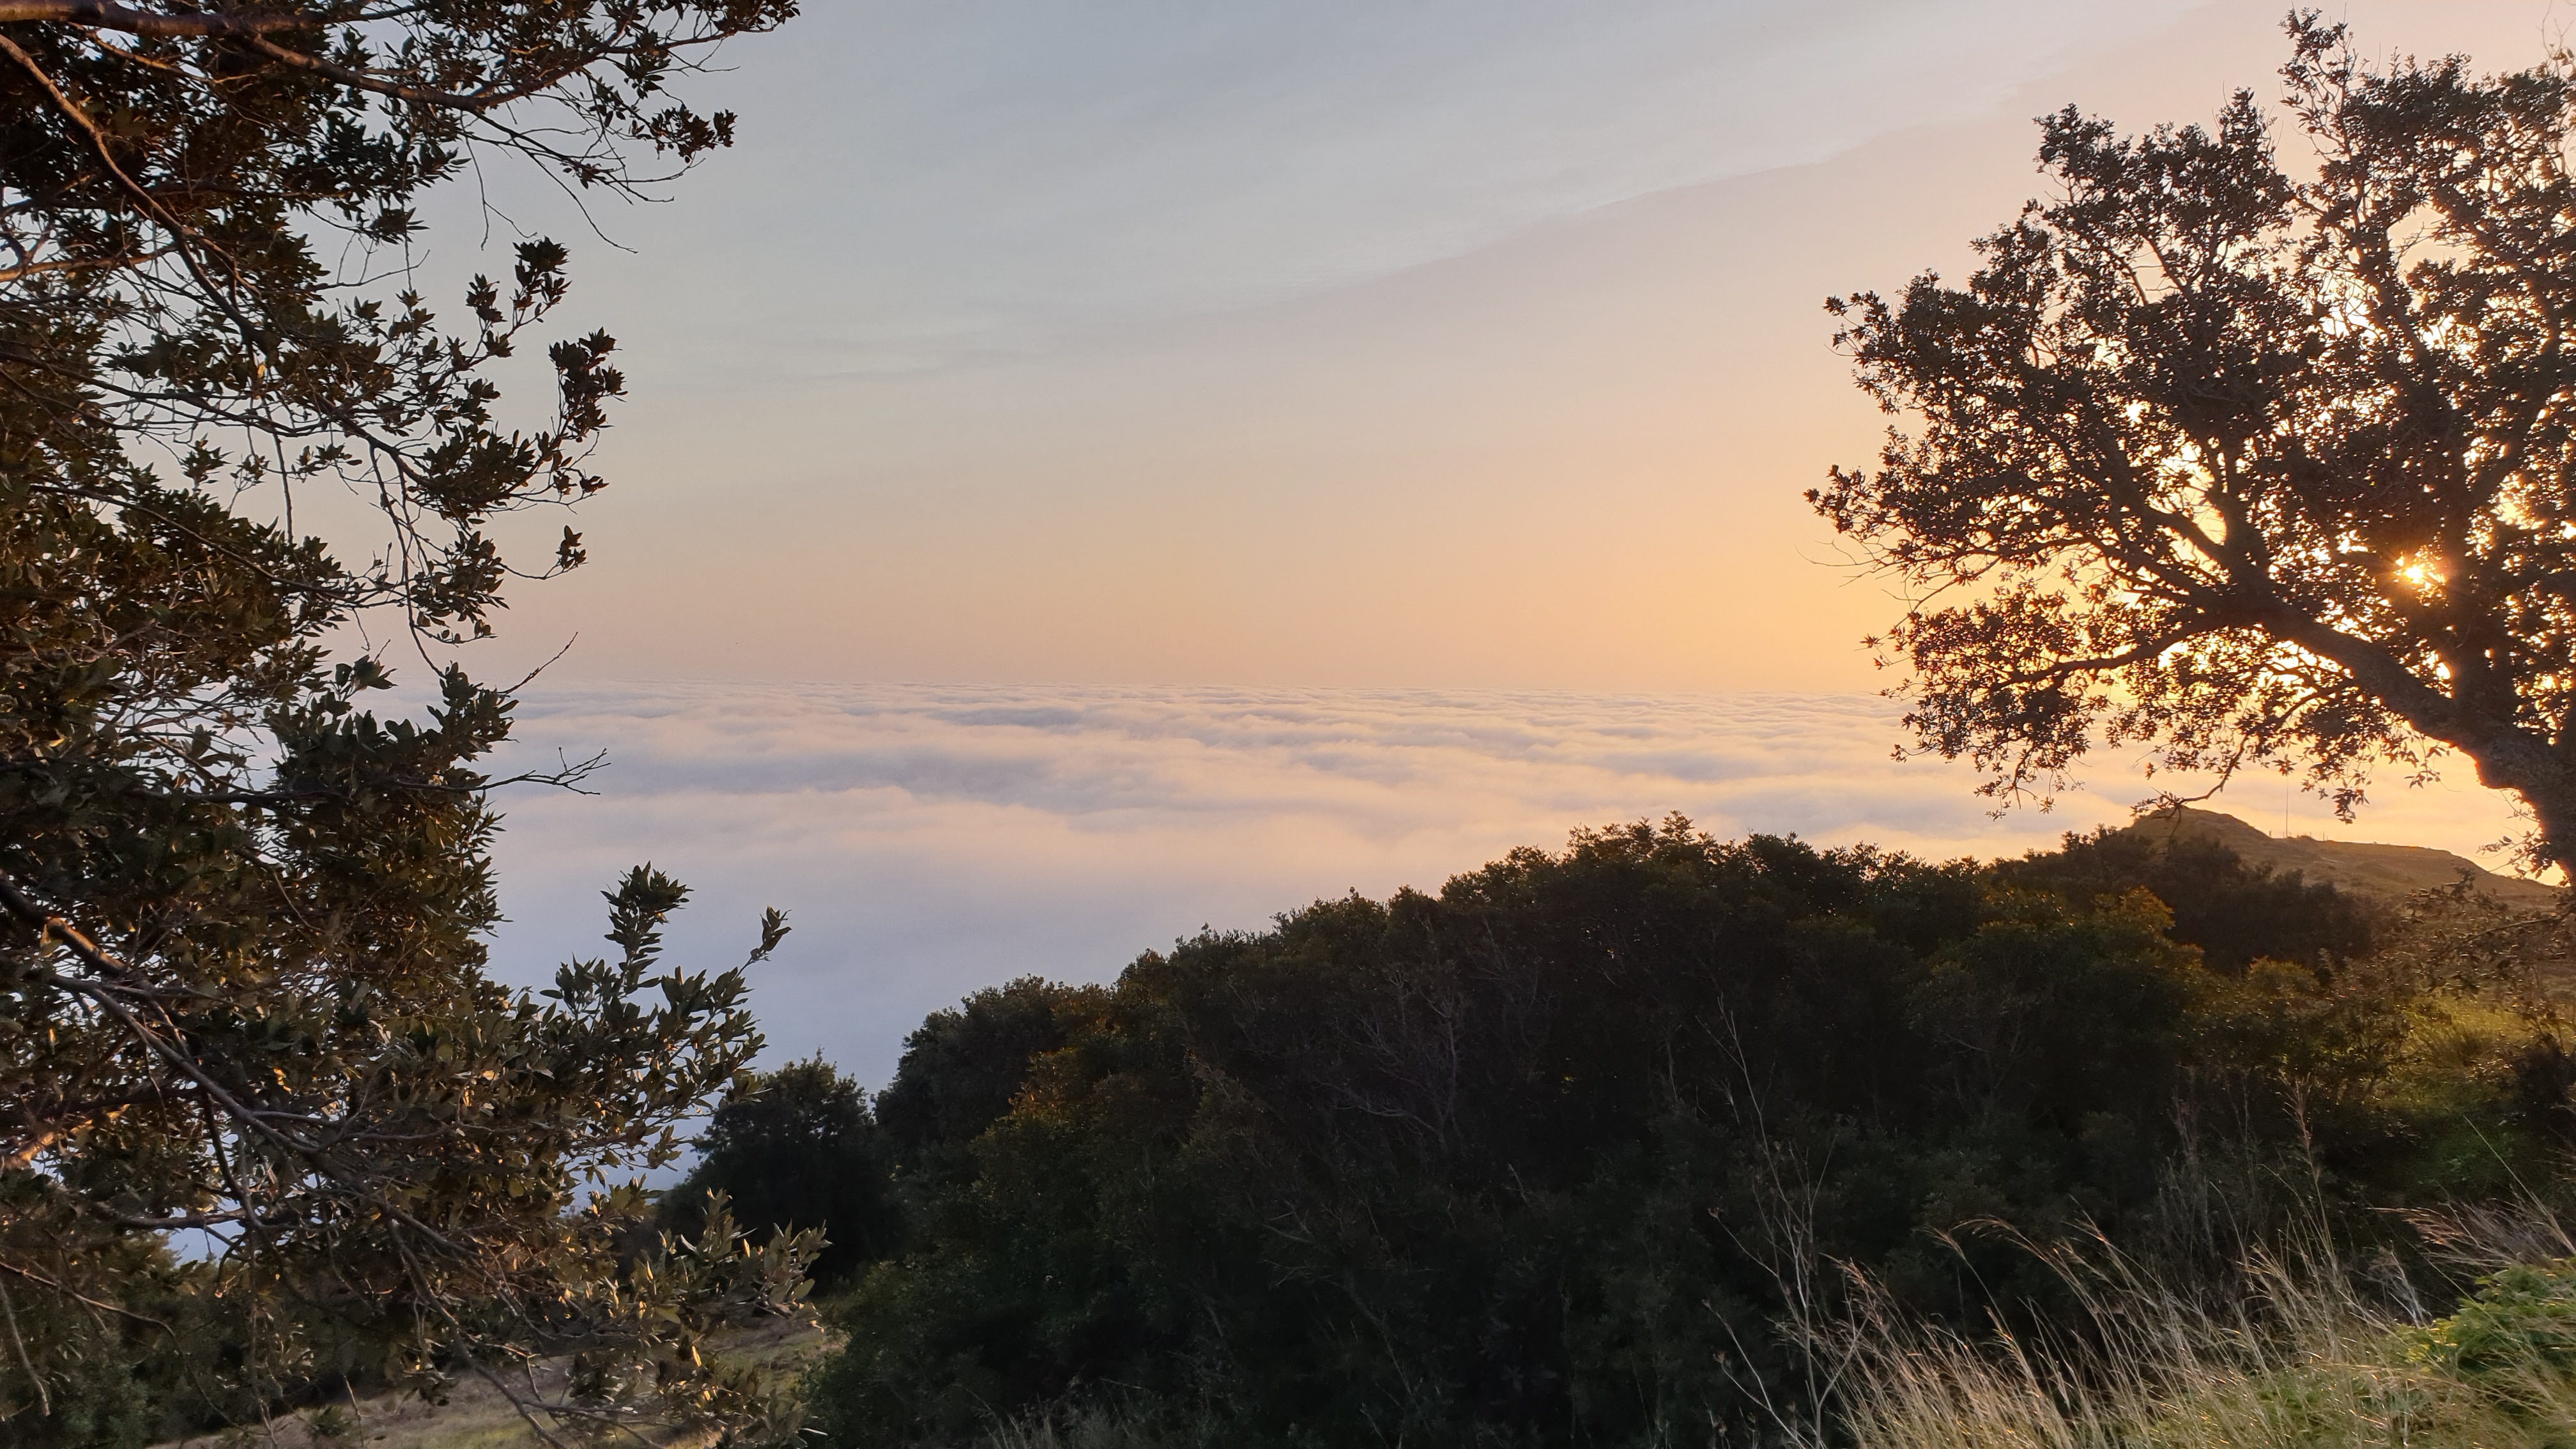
[
  {"x": 1095, "y": 469},
  {"x": 1313, "y": 341}
]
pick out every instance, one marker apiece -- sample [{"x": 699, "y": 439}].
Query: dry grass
[
  {"x": 478, "y": 1415},
  {"x": 2308, "y": 1353}
]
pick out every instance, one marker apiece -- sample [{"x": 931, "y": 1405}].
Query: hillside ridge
[{"x": 2389, "y": 872}]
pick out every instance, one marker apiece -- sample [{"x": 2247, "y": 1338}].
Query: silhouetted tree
[{"x": 2265, "y": 471}]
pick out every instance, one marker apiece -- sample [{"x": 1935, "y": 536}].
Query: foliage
[
  {"x": 431, "y": 1187},
  {"x": 793, "y": 1149},
  {"x": 242, "y": 985},
  {"x": 2264, "y": 471},
  {"x": 2523, "y": 1313},
  {"x": 2234, "y": 913},
  {"x": 961, "y": 1069},
  {"x": 1541, "y": 1159},
  {"x": 203, "y": 201}
]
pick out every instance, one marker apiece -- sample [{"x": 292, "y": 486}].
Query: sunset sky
[
  {"x": 1390, "y": 365},
  {"x": 1315, "y": 341}
]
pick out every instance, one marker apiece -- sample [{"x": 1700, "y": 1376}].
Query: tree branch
[
  {"x": 230, "y": 25},
  {"x": 475, "y": 101}
]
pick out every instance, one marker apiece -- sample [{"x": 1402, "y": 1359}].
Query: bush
[
  {"x": 794, "y": 1149},
  {"x": 1543, "y": 1158}
]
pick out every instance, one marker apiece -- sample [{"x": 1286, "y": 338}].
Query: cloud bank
[{"x": 928, "y": 840}]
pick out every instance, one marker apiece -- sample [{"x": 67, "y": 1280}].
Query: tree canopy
[
  {"x": 204, "y": 209},
  {"x": 2265, "y": 468},
  {"x": 793, "y": 1149},
  {"x": 243, "y": 987},
  {"x": 1551, "y": 1156}
]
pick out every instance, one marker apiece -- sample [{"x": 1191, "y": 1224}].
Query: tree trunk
[{"x": 2513, "y": 760}]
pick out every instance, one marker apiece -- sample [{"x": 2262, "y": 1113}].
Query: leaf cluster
[{"x": 174, "y": 184}]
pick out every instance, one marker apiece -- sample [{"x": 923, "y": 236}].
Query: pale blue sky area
[{"x": 920, "y": 182}]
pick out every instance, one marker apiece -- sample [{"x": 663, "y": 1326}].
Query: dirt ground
[{"x": 476, "y": 1414}]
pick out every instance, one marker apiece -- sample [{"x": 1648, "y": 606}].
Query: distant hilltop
[{"x": 2384, "y": 871}]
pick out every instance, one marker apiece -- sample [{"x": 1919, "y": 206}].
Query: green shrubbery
[{"x": 1568, "y": 1152}]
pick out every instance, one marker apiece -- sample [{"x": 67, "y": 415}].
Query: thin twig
[{"x": 44, "y": 1400}]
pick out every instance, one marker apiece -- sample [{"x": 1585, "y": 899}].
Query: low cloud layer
[{"x": 930, "y": 840}]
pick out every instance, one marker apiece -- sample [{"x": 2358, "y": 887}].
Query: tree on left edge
[{"x": 243, "y": 999}]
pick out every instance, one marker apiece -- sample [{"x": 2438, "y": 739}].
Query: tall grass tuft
[
  {"x": 2303, "y": 1349},
  {"x": 1108, "y": 1425}
]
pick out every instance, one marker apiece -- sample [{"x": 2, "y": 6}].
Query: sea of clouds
[{"x": 928, "y": 840}]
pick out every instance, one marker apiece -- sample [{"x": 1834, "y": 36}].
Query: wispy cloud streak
[{"x": 993, "y": 175}]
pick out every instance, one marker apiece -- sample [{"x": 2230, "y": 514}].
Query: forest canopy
[{"x": 1553, "y": 1155}]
